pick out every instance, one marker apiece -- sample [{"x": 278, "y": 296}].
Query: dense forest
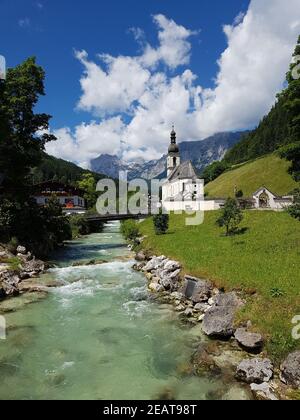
[
  {"x": 271, "y": 133},
  {"x": 54, "y": 169}
]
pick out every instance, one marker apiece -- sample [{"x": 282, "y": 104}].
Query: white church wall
[{"x": 191, "y": 205}]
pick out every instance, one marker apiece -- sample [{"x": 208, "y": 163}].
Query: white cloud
[
  {"x": 24, "y": 23},
  {"x": 136, "y": 89},
  {"x": 114, "y": 90},
  {"x": 87, "y": 141},
  {"x": 174, "y": 49}
]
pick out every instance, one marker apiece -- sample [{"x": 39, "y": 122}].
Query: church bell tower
[{"x": 173, "y": 159}]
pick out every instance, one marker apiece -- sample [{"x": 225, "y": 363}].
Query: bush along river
[{"x": 100, "y": 334}]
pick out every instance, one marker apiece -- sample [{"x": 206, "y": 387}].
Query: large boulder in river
[
  {"x": 249, "y": 341},
  {"x": 219, "y": 319},
  {"x": 290, "y": 370},
  {"x": 255, "y": 371},
  {"x": 9, "y": 284},
  {"x": 218, "y": 322},
  {"x": 196, "y": 289},
  {"x": 228, "y": 299},
  {"x": 32, "y": 268}
]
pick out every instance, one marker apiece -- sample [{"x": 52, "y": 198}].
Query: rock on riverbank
[
  {"x": 197, "y": 301},
  {"x": 15, "y": 268}
]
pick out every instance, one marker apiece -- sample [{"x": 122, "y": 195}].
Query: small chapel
[{"x": 183, "y": 190}]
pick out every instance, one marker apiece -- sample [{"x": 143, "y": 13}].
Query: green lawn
[
  {"x": 270, "y": 171},
  {"x": 265, "y": 259}
]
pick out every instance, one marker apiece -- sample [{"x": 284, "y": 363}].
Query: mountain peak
[{"x": 202, "y": 153}]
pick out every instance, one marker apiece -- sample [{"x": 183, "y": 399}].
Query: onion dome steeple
[
  {"x": 173, "y": 159},
  {"x": 173, "y": 148}
]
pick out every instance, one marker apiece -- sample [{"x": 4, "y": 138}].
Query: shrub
[
  {"x": 13, "y": 245},
  {"x": 161, "y": 223},
  {"x": 79, "y": 225},
  {"x": 294, "y": 211},
  {"x": 239, "y": 194},
  {"x": 130, "y": 230},
  {"x": 231, "y": 216}
]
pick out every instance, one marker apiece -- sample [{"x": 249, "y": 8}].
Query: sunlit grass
[
  {"x": 264, "y": 262},
  {"x": 270, "y": 171}
]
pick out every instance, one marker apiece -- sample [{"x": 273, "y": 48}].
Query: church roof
[{"x": 184, "y": 171}]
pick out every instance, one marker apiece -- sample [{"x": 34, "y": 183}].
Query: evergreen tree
[
  {"x": 161, "y": 223},
  {"x": 292, "y": 96}
]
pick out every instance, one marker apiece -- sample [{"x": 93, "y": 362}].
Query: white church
[{"x": 183, "y": 190}]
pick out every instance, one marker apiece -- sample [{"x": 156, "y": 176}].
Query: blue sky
[{"x": 53, "y": 30}]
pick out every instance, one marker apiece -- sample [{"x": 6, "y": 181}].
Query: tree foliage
[
  {"x": 130, "y": 230},
  {"x": 231, "y": 216},
  {"x": 161, "y": 223},
  {"x": 292, "y": 153},
  {"x": 271, "y": 133},
  {"x": 88, "y": 184},
  {"x": 21, "y": 144},
  {"x": 294, "y": 211},
  {"x": 213, "y": 171},
  {"x": 59, "y": 170},
  {"x": 41, "y": 229}
]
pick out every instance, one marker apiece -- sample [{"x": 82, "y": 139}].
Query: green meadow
[
  {"x": 263, "y": 263},
  {"x": 269, "y": 171}
]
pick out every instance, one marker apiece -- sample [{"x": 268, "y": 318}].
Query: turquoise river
[{"x": 98, "y": 336}]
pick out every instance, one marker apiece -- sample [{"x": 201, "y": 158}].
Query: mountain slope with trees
[{"x": 59, "y": 170}]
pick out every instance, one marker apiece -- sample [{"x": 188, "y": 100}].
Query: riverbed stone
[
  {"x": 33, "y": 267},
  {"x": 177, "y": 296},
  {"x": 188, "y": 312},
  {"x": 219, "y": 322},
  {"x": 250, "y": 341},
  {"x": 255, "y": 371},
  {"x": 155, "y": 263},
  {"x": 170, "y": 266},
  {"x": 228, "y": 300},
  {"x": 21, "y": 250},
  {"x": 198, "y": 290},
  {"x": 290, "y": 370},
  {"x": 155, "y": 287},
  {"x": 174, "y": 276},
  {"x": 32, "y": 286},
  {"x": 202, "y": 307},
  {"x": 9, "y": 283},
  {"x": 201, "y": 318},
  {"x": 263, "y": 392},
  {"x": 140, "y": 256}
]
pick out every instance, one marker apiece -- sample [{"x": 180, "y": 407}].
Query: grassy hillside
[
  {"x": 270, "y": 171},
  {"x": 264, "y": 262}
]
